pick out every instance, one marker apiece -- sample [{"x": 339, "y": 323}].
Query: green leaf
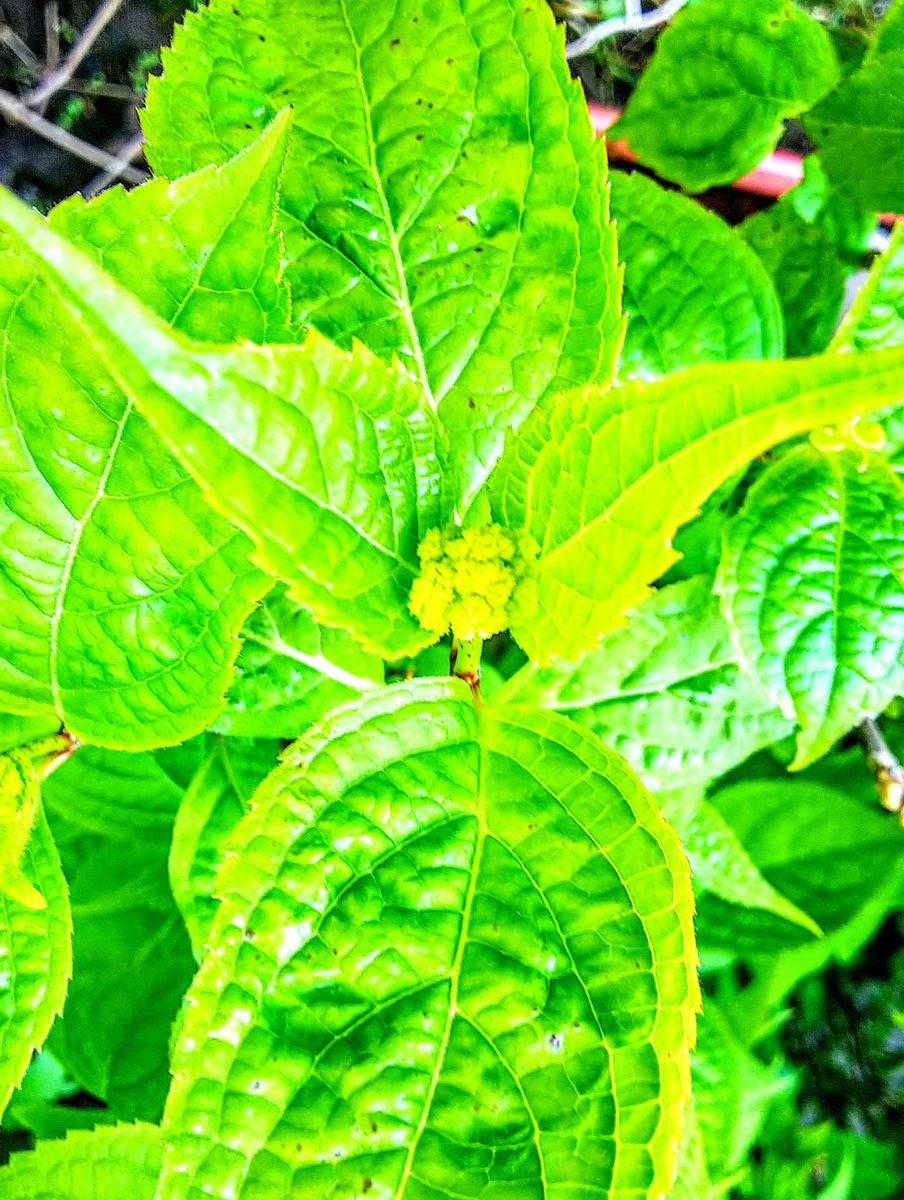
[
  {"x": 859, "y": 129},
  {"x": 827, "y": 851},
  {"x": 890, "y": 35},
  {"x": 454, "y": 956},
  {"x": 443, "y": 199},
  {"x": 812, "y": 583},
  {"x": 104, "y": 1164},
  {"x": 39, "y": 1105},
  {"x": 666, "y": 691},
  {"x": 876, "y": 317},
  {"x": 818, "y": 202},
  {"x": 720, "y": 863},
  {"x": 808, "y": 274},
  {"x": 692, "y": 1180},
  {"x": 35, "y": 959},
  {"x": 211, "y": 808},
  {"x": 120, "y": 590},
  {"x": 693, "y": 292},
  {"x": 16, "y": 730},
  {"x": 732, "y": 1091},
  {"x": 291, "y": 672},
  {"x": 602, "y": 480},
  {"x": 132, "y": 958},
  {"x": 724, "y": 77},
  {"x": 328, "y": 460}
]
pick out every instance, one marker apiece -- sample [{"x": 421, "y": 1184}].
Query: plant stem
[
  {"x": 464, "y": 662},
  {"x": 629, "y": 23},
  {"x": 887, "y": 771}
]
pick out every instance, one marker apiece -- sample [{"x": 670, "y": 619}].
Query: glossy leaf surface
[
  {"x": 602, "y": 480},
  {"x": 103, "y": 1164},
  {"x": 726, "y": 73},
  {"x": 370, "y": 1010},
  {"x": 35, "y": 959},
  {"x": 665, "y": 691},
  {"x": 812, "y": 581},
  {"x": 693, "y": 292},
  {"x": 329, "y": 460},
  {"x": 443, "y": 200},
  {"x": 120, "y": 590}
]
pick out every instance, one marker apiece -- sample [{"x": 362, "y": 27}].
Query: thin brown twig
[
  {"x": 18, "y": 112},
  {"x": 52, "y": 34},
  {"x": 11, "y": 40},
  {"x": 54, "y": 81},
  {"x": 888, "y": 772},
  {"x": 118, "y": 165}
]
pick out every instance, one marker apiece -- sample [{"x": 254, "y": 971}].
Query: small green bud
[{"x": 473, "y": 582}]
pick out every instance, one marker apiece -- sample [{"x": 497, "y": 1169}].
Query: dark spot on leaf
[
  {"x": 373, "y": 1127},
  {"x": 554, "y": 1041},
  {"x": 395, "y": 41},
  {"x": 418, "y": 137},
  {"x": 262, "y": 37},
  {"x": 471, "y": 403},
  {"x": 367, "y": 1185},
  {"x": 478, "y": 249}
]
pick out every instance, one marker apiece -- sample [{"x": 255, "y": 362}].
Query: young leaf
[
  {"x": 694, "y": 293},
  {"x": 443, "y": 199},
  {"x": 808, "y": 274},
  {"x": 132, "y": 958},
  {"x": 103, "y": 1164},
  {"x": 828, "y": 650},
  {"x": 666, "y": 691},
  {"x": 211, "y": 808},
  {"x": 35, "y": 959},
  {"x": 602, "y": 480},
  {"x": 291, "y": 672},
  {"x": 328, "y": 460},
  {"x": 121, "y": 592},
  {"x": 372, "y": 1015},
  {"x": 719, "y": 862},
  {"x": 725, "y": 75},
  {"x": 816, "y": 200}
]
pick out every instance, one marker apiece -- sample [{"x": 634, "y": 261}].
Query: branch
[
  {"x": 117, "y": 167},
  {"x": 632, "y": 22},
  {"x": 82, "y": 45},
  {"x": 888, "y": 772},
  {"x": 18, "y": 112}
]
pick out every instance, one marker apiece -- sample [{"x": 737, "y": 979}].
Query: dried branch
[
  {"x": 67, "y": 68},
  {"x": 17, "y": 111},
  {"x": 11, "y": 40},
  {"x": 631, "y": 22},
  {"x": 888, "y": 772},
  {"x": 117, "y": 167}
]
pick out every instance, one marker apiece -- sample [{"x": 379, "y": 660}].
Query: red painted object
[{"x": 775, "y": 175}]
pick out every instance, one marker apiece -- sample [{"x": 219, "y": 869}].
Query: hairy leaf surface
[
  {"x": 602, "y": 480},
  {"x": 212, "y": 806},
  {"x": 35, "y": 959},
  {"x": 291, "y": 672},
  {"x": 693, "y": 292},
  {"x": 372, "y": 1009},
  {"x": 666, "y": 691},
  {"x": 808, "y": 274},
  {"x": 443, "y": 199},
  {"x": 103, "y": 1164},
  {"x": 812, "y": 581},
  {"x": 329, "y": 460},
  {"x": 725, "y": 75},
  {"x": 120, "y": 590}
]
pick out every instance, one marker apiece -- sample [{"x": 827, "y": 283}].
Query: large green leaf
[
  {"x": 15, "y": 729},
  {"x": 328, "y": 459},
  {"x": 719, "y": 861},
  {"x": 35, "y": 959},
  {"x": 454, "y": 957},
  {"x": 694, "y": 293},
  {"x": 105, "y": 1164},
  {"x": 665, "y": 691},
  {"x": 292, "y": 671},
  {"x": 725, "y": 75},
  {"x": 132, "y": 958},
  {"x": 808, "y": 274},
  {"x": 443, "y": 199},
  {"x": 859, "y": 127},
  {"x": 812, "y": 582},
  {"x": 212, "y": 806},
  {"x": 120, "y": 590},
  {"x": 602, "y": 479}
]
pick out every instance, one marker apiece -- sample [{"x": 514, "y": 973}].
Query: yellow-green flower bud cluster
[{"x": 474, "y": 582}]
